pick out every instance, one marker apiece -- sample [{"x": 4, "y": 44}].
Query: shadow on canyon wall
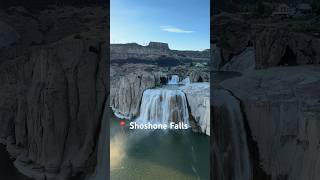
[
  {"x": 265, "y": 120},
  {"x": 54, "y": 86}
]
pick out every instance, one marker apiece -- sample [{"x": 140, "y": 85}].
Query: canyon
[
  {"x": 137, "y": 90},
  {"x": 265, "y": 120}
]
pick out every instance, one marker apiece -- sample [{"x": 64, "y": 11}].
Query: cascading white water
[
  {"x": 162, "y": 106},
  {"x": 174, "y": 80},
  {"x": 186, "y": 81}
]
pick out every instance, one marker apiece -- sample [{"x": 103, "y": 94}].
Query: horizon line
[{"x": 147, "y": 44}]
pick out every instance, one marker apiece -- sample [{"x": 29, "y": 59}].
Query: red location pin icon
[{"x": 122, "y": 123}]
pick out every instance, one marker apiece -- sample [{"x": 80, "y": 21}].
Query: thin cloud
[{"x": 175, "y": 29}]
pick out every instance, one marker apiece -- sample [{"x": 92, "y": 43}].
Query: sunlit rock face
[
  {"x": 163, "y": 106},
  {"x": 198, "y": 96},
  {"x": 126, "y": 93}
]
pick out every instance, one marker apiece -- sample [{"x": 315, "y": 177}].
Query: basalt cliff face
[
  {"x": 279, "y": 110},
  {"x": 53, "y": 76},
  {"x": 265, "y": 121}
]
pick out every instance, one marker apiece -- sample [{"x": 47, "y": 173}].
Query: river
[{"x": 158, "y": 154}]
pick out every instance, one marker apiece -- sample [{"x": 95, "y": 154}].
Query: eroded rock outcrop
[
  {"x": 231, "y": 34},
  {"x": 198, "y": 97},
  {"x": 243, "y": 62},
  {"x": 274, "y": 44},
  {"x": 279, "y": 46},
  {"x": 281, "y": 107},
  {"x": 50, "y": 118},
  {"x": 59, "y": 107},
  {"x": 126, "y": 93}
]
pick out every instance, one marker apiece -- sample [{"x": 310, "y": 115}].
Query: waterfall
[
  {"x": 186, "y": 81},
  {"x": 174, "y": 80},
  {"x": 162, "y": 106},
  {"x": 229, "y": 128}
]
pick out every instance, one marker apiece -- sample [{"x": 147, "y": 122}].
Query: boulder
[{"x": 243, "y": 62}]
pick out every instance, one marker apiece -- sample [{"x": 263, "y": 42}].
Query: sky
[{"x": 183, "y": 24}]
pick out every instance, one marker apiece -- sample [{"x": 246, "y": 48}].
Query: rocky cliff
[
  {"x": 126, "y": 93},
  {"x": 198, "y": 97},
  {"x": 280, "y": 47},
  {"x": 264, "y": 123},
  {"x": 50, "y": 118},
  {"x": 153, "y": 51},
  {"x": 273, "y": 43},
  {"x": 135, "y": 74},
  {"x": 279, "y": 108}
]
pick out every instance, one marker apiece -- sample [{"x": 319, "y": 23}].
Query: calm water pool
[{"x": 158, "y": 154}]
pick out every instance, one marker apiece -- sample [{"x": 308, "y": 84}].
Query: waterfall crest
[
  {"x": 162, "y": 106},
  {"x": 174, "y": 80}
]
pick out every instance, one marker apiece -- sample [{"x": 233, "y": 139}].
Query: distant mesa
[
  {"x": 153, "y": 45},
  {"x": 154, "y": 51},
  {"x": 158, "y": 45}
]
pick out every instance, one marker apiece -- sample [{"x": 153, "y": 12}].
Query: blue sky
[{"x": 183, "y": 24}]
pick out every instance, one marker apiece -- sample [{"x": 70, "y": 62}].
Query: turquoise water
[{"x": 158, "y": 154}]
